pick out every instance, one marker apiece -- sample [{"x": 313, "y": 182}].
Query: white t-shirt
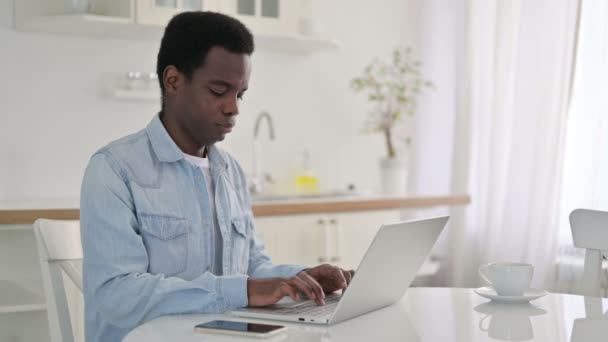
[{"x": 203, "y": 164}]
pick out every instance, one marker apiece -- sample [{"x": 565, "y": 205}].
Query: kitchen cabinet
[
  {"x": 340, "y": 238},
  {"x": 274, "y": 23},
  {"x": 272, "y": 17},
  {"x": 22, "y": 304},
  {"x": 157, "y": 12},
  {"x": 23, "y": 316}
]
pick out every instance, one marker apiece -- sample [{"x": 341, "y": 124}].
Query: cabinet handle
[
  {"x": 335, "y": 237},
  {"x": 323, "y": 240}
]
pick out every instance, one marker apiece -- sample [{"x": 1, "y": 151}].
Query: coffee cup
[{"x": 507, "y": 278}]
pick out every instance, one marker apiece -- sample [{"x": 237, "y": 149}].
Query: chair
[
  {"x": 590, "y": 231},
  {"x": 59, "y": 248}
]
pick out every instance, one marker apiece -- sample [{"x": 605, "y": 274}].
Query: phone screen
[{"x": 240, "y": 327}]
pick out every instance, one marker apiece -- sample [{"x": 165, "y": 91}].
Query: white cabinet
[
  {"x": 23, "y": 316},
  {"x": 274, "y": 23},
  {"x": 22, "y": 304},
  {"x": 309, "y": 240},
  {"x": 275, "y": 17},
  {"x": 159, "y": 12}
]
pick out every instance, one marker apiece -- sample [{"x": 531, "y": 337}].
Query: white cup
[{"x": 508, "y": 279}]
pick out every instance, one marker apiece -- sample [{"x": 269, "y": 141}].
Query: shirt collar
[
  {"x": 167, "y": 151},
  {"x": 165, "y": 148}
]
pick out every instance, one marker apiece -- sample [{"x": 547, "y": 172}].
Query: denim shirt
[{"x": 147, "y": 235}]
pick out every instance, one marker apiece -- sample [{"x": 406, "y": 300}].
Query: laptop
[{"x": 382, "y": 278}]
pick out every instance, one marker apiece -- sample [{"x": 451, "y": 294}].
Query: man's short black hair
[{"x": 190, "y": 35}]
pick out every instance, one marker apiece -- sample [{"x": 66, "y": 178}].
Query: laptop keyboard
[{"x": 307, "y": 308}]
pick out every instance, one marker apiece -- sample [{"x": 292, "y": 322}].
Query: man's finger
[
  {"x": 347, "y": 276},
  {"x": 339, "y": 278},
  {"x": 315, "y": 286},
  {"x": 286, "y": 289},
  {"x": 304, "y": 287}
]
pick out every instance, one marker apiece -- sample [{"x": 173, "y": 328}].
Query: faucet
[{"x": 258, "y": 181}]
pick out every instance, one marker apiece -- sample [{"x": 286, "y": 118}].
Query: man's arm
[
  {"x": 116, "y": 280},
  {"x": 260, "y": 265}
]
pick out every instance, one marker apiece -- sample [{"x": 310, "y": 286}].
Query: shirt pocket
[
  {"x": 241, "y": 237},
  {"x": 166, "y": 240}
]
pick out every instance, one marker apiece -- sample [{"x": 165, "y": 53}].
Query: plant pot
[{"x": 393, "y": 176}]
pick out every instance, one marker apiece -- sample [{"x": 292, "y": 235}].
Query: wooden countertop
[{"x": 270, "y": 208}]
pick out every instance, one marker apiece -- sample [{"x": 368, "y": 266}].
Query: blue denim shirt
[{"x": 147, "y": 235}]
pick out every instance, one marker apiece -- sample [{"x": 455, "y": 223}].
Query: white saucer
[{"x": 490, "y": 293}]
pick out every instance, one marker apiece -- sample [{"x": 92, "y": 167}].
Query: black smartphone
[{"x": 240, "y": 328}]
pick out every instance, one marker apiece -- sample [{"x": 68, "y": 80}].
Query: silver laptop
[{"x": 385, "y": 273}]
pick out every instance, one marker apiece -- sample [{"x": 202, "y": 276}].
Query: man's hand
[
  {"x": 262, "y": 292},
  {"x": 314, "y": 283},
  {"x": 331, "y": 278}
]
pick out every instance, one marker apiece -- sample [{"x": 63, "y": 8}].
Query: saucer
[
  {"x": 490, "y": 293},
  {"x": 512, "y": 309}
]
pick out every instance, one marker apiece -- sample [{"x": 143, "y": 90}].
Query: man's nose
[{"x": 231, "y": 106}]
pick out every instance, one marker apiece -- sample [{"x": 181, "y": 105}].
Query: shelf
[
  {"x": 90, "y": 25},
  {"x": 125, "y": 28},
  {"x": 15, "y": 227},
  {"x": 301, "y": 44},
  {"x": 136, "y": 95},
  {"x": 14, "y": 298}
]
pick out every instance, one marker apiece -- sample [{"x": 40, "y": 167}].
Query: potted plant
[{"x": 393, "y": 89}]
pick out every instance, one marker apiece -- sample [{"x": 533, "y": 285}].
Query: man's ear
[{"x": 172, "y": 80}]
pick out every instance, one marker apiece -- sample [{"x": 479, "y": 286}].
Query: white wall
[{"x": 55, "y": 114}]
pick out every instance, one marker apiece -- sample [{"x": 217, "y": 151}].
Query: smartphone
[{"x": 240, "y": 328}]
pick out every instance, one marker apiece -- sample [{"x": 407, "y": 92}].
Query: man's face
[{"x": 208, "y": 103}]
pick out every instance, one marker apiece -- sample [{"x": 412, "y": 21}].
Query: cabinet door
[
  {"x": 291, "y": 239},
  {"x": 309, "y": 240},
  {"x": 274, "y": 17},
  {"x": 354, "y": 233},
  {"x": 159, "y": 12}
]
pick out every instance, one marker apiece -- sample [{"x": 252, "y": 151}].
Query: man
[{"x": 166, "y": 217}]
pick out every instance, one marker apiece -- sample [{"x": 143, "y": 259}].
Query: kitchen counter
[{"x": 27, "y": 213}]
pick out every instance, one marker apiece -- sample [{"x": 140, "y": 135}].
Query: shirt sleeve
[
  {"x": 260, "y": 265},
  {"x": 116, "y": 279}
]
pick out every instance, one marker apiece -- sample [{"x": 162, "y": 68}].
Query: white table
[{"x": 427, "y": 314}]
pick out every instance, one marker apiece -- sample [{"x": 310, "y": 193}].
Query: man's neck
[{"x": 181, "y": 139}]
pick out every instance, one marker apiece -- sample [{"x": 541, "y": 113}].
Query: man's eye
[
  {"x": 240, "y": 96},
  {"x": 217, "y": 93}
]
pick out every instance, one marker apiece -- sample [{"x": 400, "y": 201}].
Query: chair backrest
[
  {"x": 59, "y": 247},
  {"x": 590, "y": 231}
]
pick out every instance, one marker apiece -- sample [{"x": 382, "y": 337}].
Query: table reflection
[
  {"x": 593, "y": 327},
  {"x": 508, "y": 322},
  {"x": 392, "y": 323}
]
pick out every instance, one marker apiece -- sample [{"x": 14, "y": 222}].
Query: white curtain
[
  {"x": 510, "y": 135},
  {"x": 585, "y": 182}
]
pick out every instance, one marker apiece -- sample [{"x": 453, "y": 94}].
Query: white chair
[
  {"x": 59, "y": 248},
  {"x": 590, "y": 231}
]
